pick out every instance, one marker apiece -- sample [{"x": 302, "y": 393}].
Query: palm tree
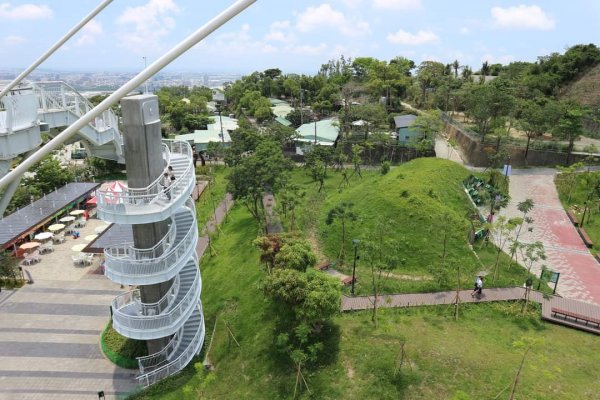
[{"x": 455, "y": 66}]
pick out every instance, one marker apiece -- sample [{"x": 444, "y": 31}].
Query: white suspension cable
[
  {"x": 56, "y": 46},
  {"x": 135, "y": 82}
]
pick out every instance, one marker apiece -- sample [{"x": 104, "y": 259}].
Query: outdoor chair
[
  {"x": 46, "y": 248},
  {"x": 77, "y": 260},
  {"x": 60, "y": 238},
  {"x": 36, "y": 256},
  {"x": 89, "y": 258}
]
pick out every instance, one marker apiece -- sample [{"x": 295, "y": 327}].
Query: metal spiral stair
[{"x": 179, "y": 311}]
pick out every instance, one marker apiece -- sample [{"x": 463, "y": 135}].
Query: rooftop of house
[
  {"x": 327, "y": 131},
  {"x": 403, "y": 121}
]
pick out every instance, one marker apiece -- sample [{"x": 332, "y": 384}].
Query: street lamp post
[
  {"x": 316, "y": 129},
  {"x": 218, "y": 105},
  {"x": 355, "y": 243}
]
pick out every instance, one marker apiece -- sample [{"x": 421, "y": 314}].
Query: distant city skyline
[{"x": 296, "y": 37}]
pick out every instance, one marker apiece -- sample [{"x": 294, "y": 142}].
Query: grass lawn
[
  {"x": 420, "y": 200},
  {"x": 474, "y": 355},
  {"x": 212, "y": 195},
  {"x": 121, "y": 350},
  {"x": 585, "y": 184}
]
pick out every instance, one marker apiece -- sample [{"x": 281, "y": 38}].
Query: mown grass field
[
  {"x": 420, "y": 200},
  {"x": 474, "y": 355}
]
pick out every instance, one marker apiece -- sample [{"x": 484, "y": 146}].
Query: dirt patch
[
  {"x": 411, "y": 277},
  {"x": 314, "y": 243}
]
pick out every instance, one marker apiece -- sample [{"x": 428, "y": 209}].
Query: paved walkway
[
  {"x": 493, "y": 294},
  {"x": 210, "y": 227},
  {"x": 49, "y": 340},
  {"x": 565, "y": 251}
]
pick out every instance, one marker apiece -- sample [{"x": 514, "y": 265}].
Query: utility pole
[{"x": 301, "y": 108}]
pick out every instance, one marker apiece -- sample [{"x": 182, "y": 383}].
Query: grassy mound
[
  {"x": 421, "y": 200},
  {"x": 121, "y": 350}
]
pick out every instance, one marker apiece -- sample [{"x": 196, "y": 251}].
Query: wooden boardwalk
[{"x": 493, "y": 294}]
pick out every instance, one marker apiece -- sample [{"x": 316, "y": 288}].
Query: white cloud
[
  {"x": 464, "y": 30},
  {"x": 236, "y": 43},
  {"x": 325, "y": 16},
  {"x": 90, "y": 31},
  {"x": 407, "y": 38},
  {"x": 146, "y": 24},
  {"x": 280, "y": 32},
  {"x": 397, "y": 4},
  {"x": 308, "y": 50},
  {"x": 12, "y": 40},
  {"x": 25, "y": 11},
  {"x": 351, "y": 3},
  {"x": 522, "y": 17}
]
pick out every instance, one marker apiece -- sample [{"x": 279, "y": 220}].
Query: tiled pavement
[
  {"x": 50, "y": 332},
  {"x": 50, "y": 341},
  {"x": 565, "y": 251}
]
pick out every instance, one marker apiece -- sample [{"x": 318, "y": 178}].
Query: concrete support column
[{"x": 144, "y": 164}]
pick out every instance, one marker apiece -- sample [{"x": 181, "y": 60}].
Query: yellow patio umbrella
[
  {"x": 79, "y": 247},
  {"x": 56, "y": 227},
  {"x": 76, "y": 212},
  {"x": 89, "y": 238}
]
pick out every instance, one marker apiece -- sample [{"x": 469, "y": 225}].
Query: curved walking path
[
  {"x": 493, "y": 294},
  {"x": 565, "y": 250}
]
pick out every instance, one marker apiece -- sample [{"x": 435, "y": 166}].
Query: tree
[
  {"x": 455, "y": 67},
  {"x": 357, "y": 151},
  {"x": 525, "y": 207},
  {"x": 266, "y": 170},
  {"x": 9, "y": 266},
  {"x": 570, "y": 126},
  {"x": 344, "y": 215},
  {"x": 311, "y": 296},
  {"x": 501, "y": 230},
  {"x": 531, "y": 253},
  {"x": 296, "y": 254},
  {"x": 429, "y": 124},
  {"x": 536, "y": 118},
  {"x": 289, "y": 199},
  {"x": 49, "y": 175},
  {"x": 380, "y": 253},
  {"x": 567, "y": 179}
]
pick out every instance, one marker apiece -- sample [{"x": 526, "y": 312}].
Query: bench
[
  {"x": 578, "y": 317},
  {"x": 572, "y": 217},
  {"x": 586, "y": 239}
]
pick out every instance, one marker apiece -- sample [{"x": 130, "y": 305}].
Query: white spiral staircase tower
[{"x": 178, "y": 314}]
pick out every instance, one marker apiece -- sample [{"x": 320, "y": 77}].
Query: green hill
[
  {"x": 421, "y": 200},
  {"x": 585, "y": 89}
]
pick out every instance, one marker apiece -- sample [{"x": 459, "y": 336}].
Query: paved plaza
[
  {"x": 565, "y": 251},
  {"x": 50, "y": 331}
]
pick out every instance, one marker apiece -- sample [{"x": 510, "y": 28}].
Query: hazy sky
[{"x": 296, "y": 36}]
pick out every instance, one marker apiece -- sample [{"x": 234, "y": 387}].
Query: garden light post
[{"x": 355, "y": 243}]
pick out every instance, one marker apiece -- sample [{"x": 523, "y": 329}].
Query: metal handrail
[
  {"x": 176, "y": 364},
  {"x": 146, "y": 323},
  {"x": 146, "y": 195},
  {"x": 53, "y": 96},
  {"x": 128, "y": 250},
  {"x": 119, "y": 262},
  {"x": 152, "y": 360},
  {"x": 146, "y": 309}
]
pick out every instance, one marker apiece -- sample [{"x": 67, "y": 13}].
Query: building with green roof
[{"x": 324, "y": 132}]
